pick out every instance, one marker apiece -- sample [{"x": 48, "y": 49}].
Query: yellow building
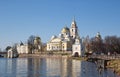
[
  {"x": 54, "y": 44},
  {"x": 65, "y": 40}
]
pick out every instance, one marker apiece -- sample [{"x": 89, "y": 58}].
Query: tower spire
[
  {"x": 73, "y": 29},
  {"x": 73, "y": 18},
  {"x": 73, "y": 25}
]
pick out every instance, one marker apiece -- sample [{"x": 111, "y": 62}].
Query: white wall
[
  {"x": 22, "y": 49},
  {"x": 76, "y": 48}
]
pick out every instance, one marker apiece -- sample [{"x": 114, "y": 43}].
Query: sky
[{"x": 20, "y": 19}]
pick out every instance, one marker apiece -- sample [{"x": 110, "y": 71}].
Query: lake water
[{"x": 50, "y": 67}]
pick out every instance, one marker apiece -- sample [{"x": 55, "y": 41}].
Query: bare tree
[
  {"x": 31, "y": 43},
  {"x": 37, "y": 43},
  {"x": 96, "y": 45},
  {"x": 112, "y": 44}
]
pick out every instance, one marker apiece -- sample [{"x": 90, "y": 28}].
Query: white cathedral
[{"x": 68, "y": 40}]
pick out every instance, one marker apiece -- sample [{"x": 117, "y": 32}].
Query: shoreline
[
  {"x": 43, "y": 56},
  {"x": 114, "y": 65}
]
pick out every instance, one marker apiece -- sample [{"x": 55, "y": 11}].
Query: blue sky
[{"x": 21, "y": 18}]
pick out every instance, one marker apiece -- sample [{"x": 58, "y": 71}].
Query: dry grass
[
  {"x": 115, "y": 65},
  {"x": 80, "y": 58}
]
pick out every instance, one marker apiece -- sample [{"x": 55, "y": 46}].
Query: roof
[
  {"x": 56, "y": 40},
  {"x": 65, "y": 30}
]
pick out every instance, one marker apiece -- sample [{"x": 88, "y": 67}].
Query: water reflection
[{"x": 49, "y": 67}]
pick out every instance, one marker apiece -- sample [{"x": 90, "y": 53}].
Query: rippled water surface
[{"x": 49, "y": 67}]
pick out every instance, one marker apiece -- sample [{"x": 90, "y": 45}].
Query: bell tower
[{"x": 73, "y": 29}]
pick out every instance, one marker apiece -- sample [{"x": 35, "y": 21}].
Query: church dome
[
  {"x": 65, "y": 30},
  {"x": 98, "y": 35}
]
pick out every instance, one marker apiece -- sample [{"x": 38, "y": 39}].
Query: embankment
[
  {"x": 114, "y": 65},
  {"x": 43, "y": 56}
]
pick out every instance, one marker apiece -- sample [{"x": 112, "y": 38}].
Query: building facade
[
  {"x": 11, "y": 53},
  {"x": 65, "y": 40},
  {"x": 76, "y": 48},
  {"x": 22, "y": 48}
]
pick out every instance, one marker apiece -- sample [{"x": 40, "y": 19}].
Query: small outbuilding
[
  {"x": 12, "y": 53},
  {"x": 76, "y": 48}
]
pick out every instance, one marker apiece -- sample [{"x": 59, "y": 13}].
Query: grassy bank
[
  {"x": 44, "y": 55},
  {"x": 52, "y": 54},
  {"x": 80, "y": 58},
  {"x": 114, "y": 65}
]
